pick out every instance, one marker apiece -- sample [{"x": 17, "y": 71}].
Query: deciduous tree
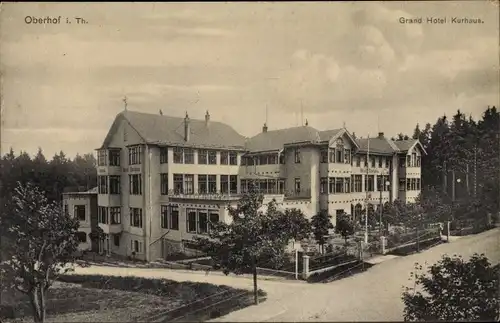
[
  {"x": 454, "y": 290},
  {"x": 321, "y": 223},
  {"x": 43, "y": 240}
]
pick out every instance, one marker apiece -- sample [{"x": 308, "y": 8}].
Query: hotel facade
[{"x": 162, "y": 180}]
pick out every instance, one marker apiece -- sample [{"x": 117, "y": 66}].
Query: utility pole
[{"x": 381, "y": 185}]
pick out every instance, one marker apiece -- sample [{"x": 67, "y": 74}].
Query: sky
[{"x": 340, "y": 63}]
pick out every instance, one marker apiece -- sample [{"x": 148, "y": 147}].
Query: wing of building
[{"x": 162, "y": 179}]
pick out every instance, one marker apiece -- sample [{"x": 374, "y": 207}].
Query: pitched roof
[
  {"x": 377, "y": 145},
  {"x": 160, "y": 129},
  {"x": 276, "y": 139},
  {"x": 404, "y": 145},
  {"x": 326, "y": 135}
]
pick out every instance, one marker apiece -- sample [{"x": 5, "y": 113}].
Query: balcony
[
  {"x": 111, "y": 228},
  {"x": 109, "y": 200},
  {"x": 215, "y": 196}
]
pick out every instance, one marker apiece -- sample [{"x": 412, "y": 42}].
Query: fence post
[
  {"x": 447, "y": 231},
  {"x": 383, "y": 244},
  {"x": 305, "y": 266}
]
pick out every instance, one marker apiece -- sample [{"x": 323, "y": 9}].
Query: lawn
[{"x": 95, "y": 298}]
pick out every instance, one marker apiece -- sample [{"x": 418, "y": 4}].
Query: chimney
[
  {"x": 207, "y": 118},
  {"x": 381, "y": 135},
  {"x": 264, "y": 129},
  {"x": 187, "y": 128}
]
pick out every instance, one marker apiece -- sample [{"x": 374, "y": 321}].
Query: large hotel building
[{"x": 162, "y": 179}]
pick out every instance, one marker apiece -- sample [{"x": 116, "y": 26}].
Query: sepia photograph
[{"x": 322, "y": 161}]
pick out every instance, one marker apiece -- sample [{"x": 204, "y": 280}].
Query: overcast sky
[{"x": 62, "y": 85}]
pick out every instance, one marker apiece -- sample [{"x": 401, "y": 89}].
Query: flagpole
[{"x": 366, "y": 190}]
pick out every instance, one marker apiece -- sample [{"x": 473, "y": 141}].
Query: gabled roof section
[
  {"x": 274, "y": 140},
  {"x": 165, "y": 130},
  {"x": 377, "y": 146},
  {"x": 332, "y": 135},
  {"x": 405, "y": 145}
]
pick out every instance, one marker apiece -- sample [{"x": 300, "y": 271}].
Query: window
[
  {"x": 402, "y": 161},
  {"x": 136, "y": 246},
  {"x": 358, "y": 161},
  {"x": 203, "y": 157},
  {"x": 357, "y": 183},
  {"x": 188, "y": 156},
  {"x": 339, "y": 212},
  {"x": 385, "y": 180},
  {"x": 101, "y": 157},
  {"x": 263, "y": 160},
  {"x": 324, "y": 155},
  {"x": 174, "y": 218},
  {"x": 81, "y": 236},
  {"x": 135, "y": 217},
  {"x": 114, "y": 157},
  {"x": 272, "y": 159},
  {"x": 347, "y": 156},
  {"x": 282, "y": 159},
  {"x": 340, "y": 154},
  {"x": 115, "y": 215},
  {"x": 281, "y": 186},
  {"x": 339, "y": 185},
  {"x": 297, "y": 156},
  {"x": 380, "y": 161},
  {"x": 332, "y": 155},
  {"x": 408, "y": 161},
  {"x": 233, "y": 184},
  {"x": 380, "y": 184},
  {"x": 413, "y": 159},
  {"x": 80, "y": 212},
  {"x": 297, "y": 185},
  {"x": 116, "y": 240},
  {"x": 347, "y": 185},
  {"x": 388, "y": 162},
  {"x": 164, "y": 184},
  {"x": 191, "y": 220},
  {"x": 233, "y": 158},
  {"x": 214, "y": 218},
  {"x": 102, "y": 215},
  {"x": 188, "y": 184},
  {"x": 402, "y": 184},
  {"x": 164, "y": 217},
  {"x": 408, "y": 184},
  {"x": 224, "y": 157},
  {"x": 66, "y": 211},
  {"x": 103, "y": 184},
  {"x": 178, "y": 155},
  {"x": 178, "y": 184},
  {"x": 163, "y": 155},
  {"x": 244, "y": 186},
  {"x": 413, "y": 184},
  {"x": 212, "y": 183},
  {"x": 323, "y": 186},
  {"x": 114, "y": 184},
  {"x": 135, "y": 184},
  {"x": 134, "y": 155},
  {"x": 224, "y": 184},
  {"x": 417, "y": 184},
  {"x": 331, "y": 185},
  {"x": 419, "y": 161},
  {"x": 369, "y": 183},
  {"x": 212, "y": 157},
  {"x": 202, "y": 184},
  {"x": 202, "y": 222},
  {"x": 372, "y": 161}
]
